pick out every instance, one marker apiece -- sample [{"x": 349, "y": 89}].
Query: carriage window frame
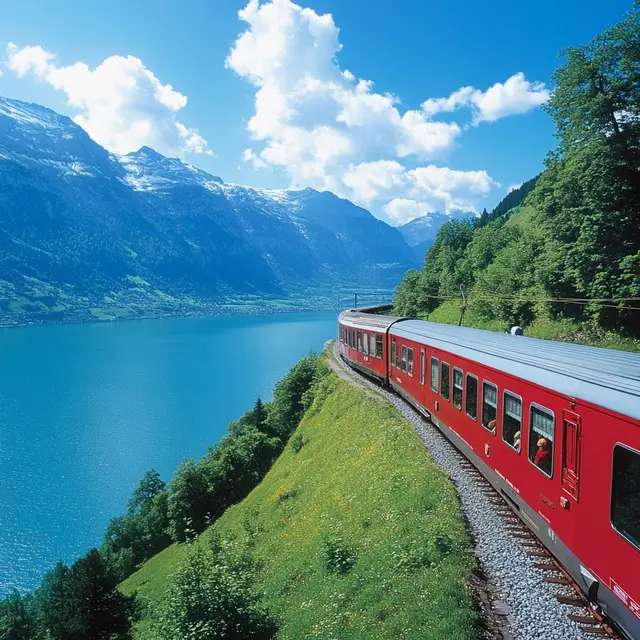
[
  {"x": 454, "y": 387},
  {"x": 632, "y": 541},
  {"x": 486, "y": 383},
  {"x": 410, "y": 361},
  {"x": 466, "y": 394},
  {"x": 379, "y": 349},
  {"x": 506, "y": 393},
  {"x": 436, "y": 379},
  {"x": 403, "y": 358},
  {"x": 539, "y": 407},
  {"x": 442, "y": 389}
]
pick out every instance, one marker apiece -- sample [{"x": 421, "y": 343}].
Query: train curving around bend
[{"x": 555, "y": 427}]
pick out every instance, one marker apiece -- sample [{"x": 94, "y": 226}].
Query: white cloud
[
  {"x": 330, "y": 130},
  {"x": 120, "y": 103},
  {"x": 513, "y": 187},
  {"x": 414, "y": 192},
  {"x": 517, "y": 95}
]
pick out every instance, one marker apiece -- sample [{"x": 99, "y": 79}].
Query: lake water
[{"x": 86, "y": 410}]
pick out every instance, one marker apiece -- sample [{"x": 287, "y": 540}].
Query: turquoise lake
[{"x": 86, "y": 410}]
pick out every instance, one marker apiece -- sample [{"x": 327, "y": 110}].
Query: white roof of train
[{"x": 608, "y": 378}]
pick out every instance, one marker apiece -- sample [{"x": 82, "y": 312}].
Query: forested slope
[{"x": 566, "y": 261}]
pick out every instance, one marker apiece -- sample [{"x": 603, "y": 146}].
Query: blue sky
[{"x": 450, "y": 117}]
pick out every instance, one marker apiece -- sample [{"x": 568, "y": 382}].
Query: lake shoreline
[{"x": 85, "y": 316}]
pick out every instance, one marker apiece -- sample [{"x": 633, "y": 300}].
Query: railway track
[
  {"x": 568, "y": 592},
  {"x": 584, "y": 619}
]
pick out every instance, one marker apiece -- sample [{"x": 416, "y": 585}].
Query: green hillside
[
  {"x": 355, "y": 532},
  {"x": 560, "y": 256}
]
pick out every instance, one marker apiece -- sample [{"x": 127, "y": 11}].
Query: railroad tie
[{"x": 571, "y": 601}]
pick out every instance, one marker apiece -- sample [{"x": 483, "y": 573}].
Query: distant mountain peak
[
  {"x": 149, "y": 152},
  {"x": 148, "y": 170}
]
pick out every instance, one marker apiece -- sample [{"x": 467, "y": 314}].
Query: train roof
[
  {"x": 608, "y": 378},
  {"x": 359, "y": 319}
]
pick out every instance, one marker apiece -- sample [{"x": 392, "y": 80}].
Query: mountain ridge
[{"x": 86, "y": 233}]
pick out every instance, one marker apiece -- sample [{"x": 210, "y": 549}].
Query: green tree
[
  {"x": 53, "y": 602},
  {"x": 16, "y": 619},
  {"x": 101, "y": 611},
  {"x": 191, "y": 499},
  {"x": 287, "y": 408}
]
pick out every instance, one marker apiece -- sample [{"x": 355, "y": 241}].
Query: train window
[
  {"x": 434, "y": 374},
  {"x": 372, "y": 345},
  {"x": 445, "y": 382},
  {"x": 512, "y": 420},
  {"x": 422, "y": 366},
  {"x": 457, "y": 388},
  {"x": 365, "y": 343},
  {"x": 379, "y": 347},
  {"x": 359, "y": 340},
  {"x": 489, "y": 406},
  {"x": 393, "y": 352},
  {"x": 410, "y": 362},
  {"x": 403, "y": 362},
  {"x": 625, "y": 494},
  {"x": 541, "y": 434},
  {"x": 471, "y": 404}
]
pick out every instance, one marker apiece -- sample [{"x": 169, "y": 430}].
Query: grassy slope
[{"x": 363, "y": 476}]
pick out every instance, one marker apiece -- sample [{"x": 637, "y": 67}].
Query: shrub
[
  {"x": 211, "y": 596},
  {"x": 339, "y": 557}
]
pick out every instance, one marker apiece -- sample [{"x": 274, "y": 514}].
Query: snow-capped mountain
[
  {"x": 83, "y": 228},
  {"x": 420, "y": 233}
]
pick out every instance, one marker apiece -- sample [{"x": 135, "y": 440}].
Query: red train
[{"x": 555, "y": 427}]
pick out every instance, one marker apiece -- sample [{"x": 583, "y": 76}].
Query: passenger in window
[
  {"x": 516, "y": 441},
  {"x": 542, "y": 458},
  {"x": 492, "y": 426}
]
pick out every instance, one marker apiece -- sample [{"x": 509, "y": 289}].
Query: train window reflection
[
  {"x": 471, "y": 404},
  {"x": 372, "y": 348},
  {"x": 512, "y": 420},
  {"x": 403, "y": 362},
  {"x": 457, "y": 388},
  {"x": 434, "y": 374},
  {"x": 410, "y": 362},
  {"x": 422, "y": 366},
  {"x": 365, "y": 343},
  {"x": 541, "y": 436},
  {"x": 379, "y": 347},
  {"x": 625, "y": 494},
  {"x": 393, "y": 352},
  {"x": 489, "y": 406},
  {"x": 445, "y": 383}
]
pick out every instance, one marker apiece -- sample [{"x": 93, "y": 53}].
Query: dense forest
[
  {"x": 567, "y": 255},
  {"x": 82, "y": 602}
]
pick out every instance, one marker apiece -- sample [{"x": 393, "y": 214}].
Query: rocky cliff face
[{"x": 81, "y": 228}]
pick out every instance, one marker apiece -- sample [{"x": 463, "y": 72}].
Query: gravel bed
[{"x": 531, "y": 609}]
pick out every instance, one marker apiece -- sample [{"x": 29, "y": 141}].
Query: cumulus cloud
[
  {"x": 328, "y": 129},
  {"x": 414, "y": 192},
  {"x": 513, "y": 187},
  {"x": 120, "y": 103},
  {"x": 515, "y": 96}
]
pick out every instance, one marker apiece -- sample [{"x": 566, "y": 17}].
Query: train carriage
[{"x": 555, "y": 427}]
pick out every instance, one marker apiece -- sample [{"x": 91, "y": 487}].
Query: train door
[{"x": 571, "y": 453}]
